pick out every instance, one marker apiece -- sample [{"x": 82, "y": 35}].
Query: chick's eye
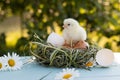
[{"x": 68, "y": 24}]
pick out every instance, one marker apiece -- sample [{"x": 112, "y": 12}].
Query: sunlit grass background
[
  {"x": 20, "y": 19},
  {"x": 13, "y": 34}
]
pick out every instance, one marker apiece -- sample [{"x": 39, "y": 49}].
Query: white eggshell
[
  {"x": 87, "y": 44},
  {"x": 55, "y": 39},
  {"x": 104, "y": 57}
]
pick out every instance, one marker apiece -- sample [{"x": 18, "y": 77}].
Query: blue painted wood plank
[{"x": 34, "y": 71}]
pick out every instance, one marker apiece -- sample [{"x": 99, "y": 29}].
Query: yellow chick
[{"x": 74, "y": 34}]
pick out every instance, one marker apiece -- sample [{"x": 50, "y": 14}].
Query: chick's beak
[{"x": 64, "y": 26}]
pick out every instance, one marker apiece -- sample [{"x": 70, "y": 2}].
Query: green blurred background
[{"x": 20, "y": 19}]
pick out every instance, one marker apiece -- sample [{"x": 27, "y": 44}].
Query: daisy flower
[
  {"x": 2, "y": 64},
  {"x": 67, "y": 74},
  {"x": 90, "y": 63},
  {"x": 13, "y": 61}
]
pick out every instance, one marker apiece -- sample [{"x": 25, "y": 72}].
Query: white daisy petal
[
  {"x": 5, "y": 56},
  {"x": 9, "y": 54}
]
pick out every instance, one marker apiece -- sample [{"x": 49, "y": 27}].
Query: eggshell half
[
  {"x": 104, "y": 57},
  {"x": 55, "y": 39}
]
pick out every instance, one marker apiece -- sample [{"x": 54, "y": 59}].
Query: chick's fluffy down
[{"x": 73, "y": 31}]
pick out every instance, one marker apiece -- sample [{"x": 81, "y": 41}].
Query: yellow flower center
[
  {"x": 67, "y": 76},
  {"x": 11, "y": 62},
  {"x": 0, "y": 65},
  {"x": 88, "y": 64}
]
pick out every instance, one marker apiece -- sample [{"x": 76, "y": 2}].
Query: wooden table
[{"x": 33, "y": 71}]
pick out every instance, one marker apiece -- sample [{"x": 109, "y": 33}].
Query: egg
[
  {"x": 55, "y": 39},
  {"x": 104, "y": 57}
]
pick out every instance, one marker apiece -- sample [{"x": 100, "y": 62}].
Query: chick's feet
[{"x": 81, "y": 45}]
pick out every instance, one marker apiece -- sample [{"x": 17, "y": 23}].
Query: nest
[{"x": 49, "y": 55}]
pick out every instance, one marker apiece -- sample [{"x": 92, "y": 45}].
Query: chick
[{"x": 74, "y": 34}]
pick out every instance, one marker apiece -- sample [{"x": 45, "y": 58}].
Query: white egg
[
  {"x": 104, "y": 57},
  {"x": 55, "y": 39}
]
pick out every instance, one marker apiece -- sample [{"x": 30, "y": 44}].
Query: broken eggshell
[
  {"x": 55, "y": 39},
  {"x": 104, "y": 57}
]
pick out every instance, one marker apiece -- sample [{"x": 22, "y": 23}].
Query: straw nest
[{"x": 48, "y": 55}]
